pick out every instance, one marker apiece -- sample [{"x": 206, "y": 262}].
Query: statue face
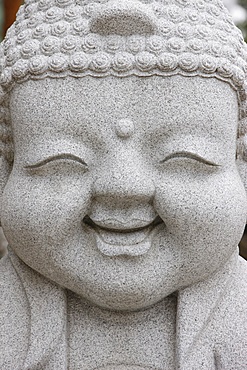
[{"x": 124, "y": 190}]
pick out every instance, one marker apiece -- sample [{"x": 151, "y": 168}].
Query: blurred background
[{"x": 238, "y": 9}]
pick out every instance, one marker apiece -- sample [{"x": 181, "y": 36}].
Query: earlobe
[
  {"x": 242, "y": 169},
  {"x": 4, "y": 174}
]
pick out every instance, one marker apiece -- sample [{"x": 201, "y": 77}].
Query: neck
[{"x": 141, "y": 338}]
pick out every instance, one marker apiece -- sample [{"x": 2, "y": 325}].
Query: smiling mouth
[{"x": 114, "y": 238}]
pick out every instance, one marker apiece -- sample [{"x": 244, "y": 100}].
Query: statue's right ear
[{"x": 5, "y": 169}]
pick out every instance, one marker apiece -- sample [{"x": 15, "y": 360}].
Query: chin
[
  {"x": 129, "y": 295},
  {"x": 124, "y": 301}
]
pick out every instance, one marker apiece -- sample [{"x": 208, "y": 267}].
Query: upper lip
[{"x": 121, "y": 226}]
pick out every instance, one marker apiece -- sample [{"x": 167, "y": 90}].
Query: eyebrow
[
  {"x": 185, "y": 154},
  {"x": 57, "y": 157}
]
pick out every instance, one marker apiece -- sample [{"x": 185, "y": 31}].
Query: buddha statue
[{"x": 123, "y": 170}]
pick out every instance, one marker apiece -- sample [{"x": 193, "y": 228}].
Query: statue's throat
[{"x": 106, "y": 340}]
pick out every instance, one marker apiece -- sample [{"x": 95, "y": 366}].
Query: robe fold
[{"x": 211, "y": 320}]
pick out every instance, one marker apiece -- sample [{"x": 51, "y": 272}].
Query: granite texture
[
  {"x": 123, "y": 173},
  {"x": 3, "y": 243}
]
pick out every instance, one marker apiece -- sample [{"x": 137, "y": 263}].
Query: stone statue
[{"x": 123, "y": 133}]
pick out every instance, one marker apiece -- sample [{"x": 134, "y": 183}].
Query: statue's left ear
[
  {"x": 241, "y": 154},
  {"x": 242, "y": 168}
]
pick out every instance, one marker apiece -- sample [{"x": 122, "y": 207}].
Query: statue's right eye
[{"x": 58, "y": 157}]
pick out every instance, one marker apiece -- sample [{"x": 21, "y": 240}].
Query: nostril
[{"x": 87, "y": 220}]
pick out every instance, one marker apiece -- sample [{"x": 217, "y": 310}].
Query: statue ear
[
  {"x": 5, "y": 169},
  {"x": 241, "y": 153},
  {"x": 242, "y": 168}
]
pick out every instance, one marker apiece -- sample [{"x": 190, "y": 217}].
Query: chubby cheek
[
  {"x": 205, "y": 215},
  {"x": 45, "y": 212}
]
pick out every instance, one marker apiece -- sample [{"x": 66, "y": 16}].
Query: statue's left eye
[{"x": 189, "y": 155}]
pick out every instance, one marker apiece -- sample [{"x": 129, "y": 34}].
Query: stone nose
[{"x": 125, "y": 180}]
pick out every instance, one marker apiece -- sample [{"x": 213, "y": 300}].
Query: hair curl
[{"x": 59, "y": 38}]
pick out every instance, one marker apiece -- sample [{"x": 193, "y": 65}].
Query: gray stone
[
  {"x": 123, "y": 138},
  {"x": 3, "y": 243}
]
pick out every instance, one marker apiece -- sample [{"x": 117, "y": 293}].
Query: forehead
[{"x": 88, "y": 109}]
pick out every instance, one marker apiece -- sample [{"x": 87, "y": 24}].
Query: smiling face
[{"x": 124, "y": 190}]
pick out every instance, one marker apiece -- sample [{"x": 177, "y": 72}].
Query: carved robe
[{"x": 211, "y": 320}]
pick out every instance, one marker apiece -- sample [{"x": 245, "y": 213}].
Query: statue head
[{"x": 121, "y": 123}]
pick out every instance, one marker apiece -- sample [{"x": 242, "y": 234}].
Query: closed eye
[
  {"x": 189, "y": 155},
  {"x": 65, "y": 156}
]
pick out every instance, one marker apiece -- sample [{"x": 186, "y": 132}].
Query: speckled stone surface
[
  {"x": 123, "y": 173},
  {"x": 3, "y": 243}
]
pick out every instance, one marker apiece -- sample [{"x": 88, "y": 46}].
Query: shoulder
[
  {"x": 233, "y": 306},
  {"x": 236, "y": 300},
  {"x": 14, "y": 319},
  {"x": 230, "y": 322}
]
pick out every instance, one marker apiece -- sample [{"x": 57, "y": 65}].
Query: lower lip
[
  {"x": 131, "y": 244},
  {"x": 123, "y": 250}
]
